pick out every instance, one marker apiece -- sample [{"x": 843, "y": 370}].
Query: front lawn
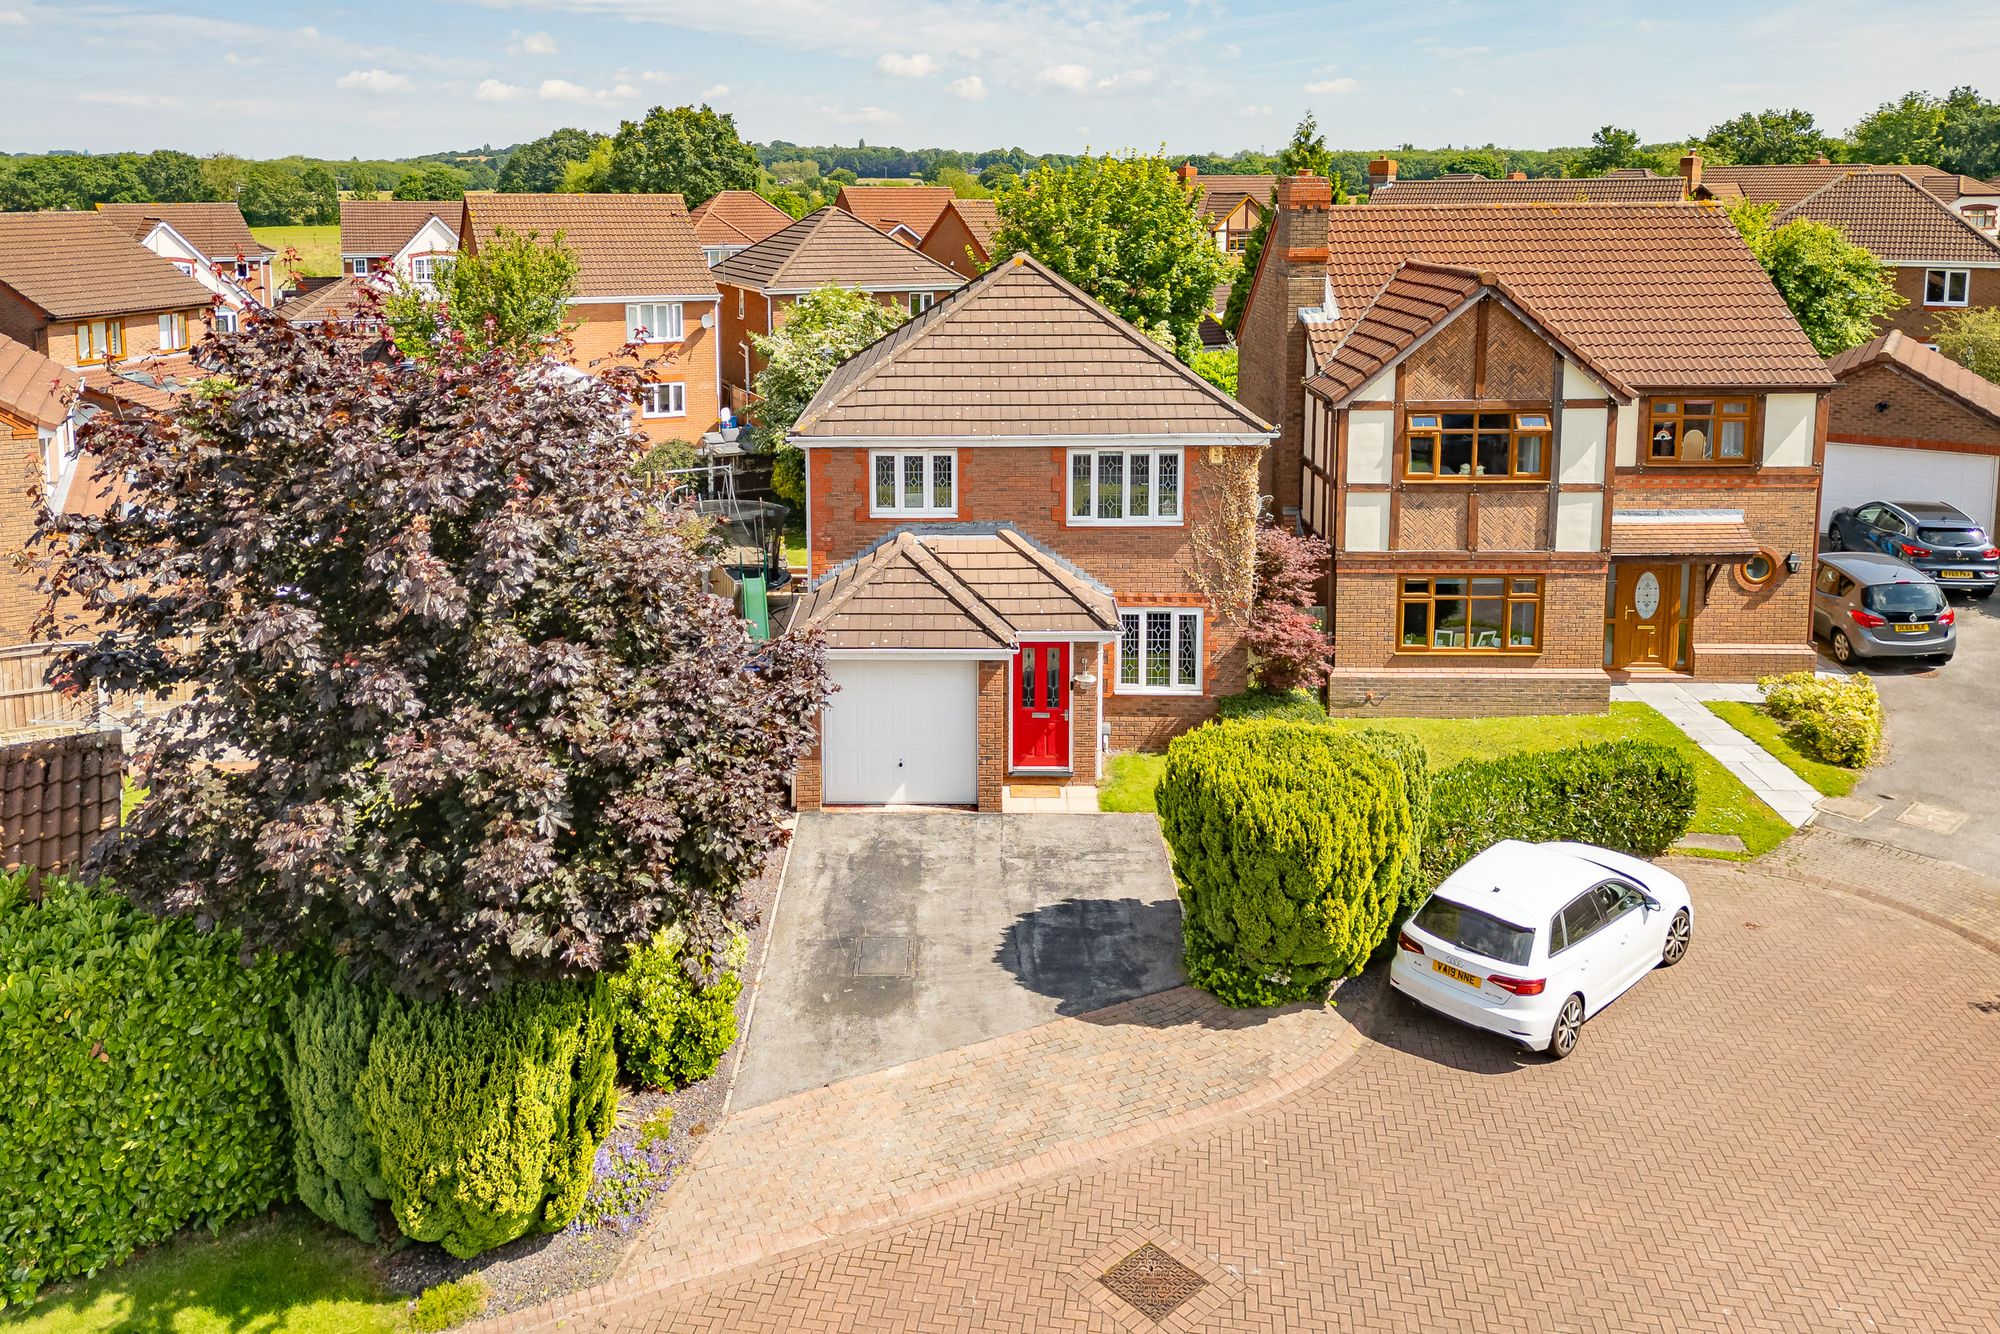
[
  {"x": 280, "y": 1275},
  {"x": 1722, "y": 804},
  {"x": 1752, "y": 721}
]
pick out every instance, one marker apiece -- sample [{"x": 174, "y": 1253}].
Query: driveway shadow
[
  {"x": 1394, "y": 1021},
  {"x": 1087, "y": 954}
]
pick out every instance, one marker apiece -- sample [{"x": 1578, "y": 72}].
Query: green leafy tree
[
  {"x": 590, "y": 175},
  {"x": 842, "y": 176},
  {"x": 1488, "y": 162},
  {"x": 537, "y": 167},
  {"x": 511, "y": 295},
  {"x": 1972, "y": 339},
  {"x": 962, "y": 182},
  {"x": 1837, "y": 291},
  {"x": 1761, "y": 137},
  {"x": 173, "y": 178},
  {"x": 1218, "y": 368},
  {"x": 1610, "y": 150},
  {"x": 692, "y": 151},
  {"x": 433, "y": 180},
  {"x": 1307, "y": 151},
  {"x": 364, "y": 182},
  {"x": 999, "y": 177},
  {"x": 1124, "y": 230},
  {"x": 1969, "y": 141},
  {"x": 322, "y": 195},
  {"x": 1909, "y": 129},
  {"x": 272, "y": 195},
  {"x": 823, "y": 328},
  {"x": 73, "y": 181},
  {"x": 223, "y": 174}
]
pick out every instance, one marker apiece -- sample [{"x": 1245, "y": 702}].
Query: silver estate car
[{"x": 1868, "y": 605}]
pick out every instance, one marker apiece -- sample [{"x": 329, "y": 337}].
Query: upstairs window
[
  {"x": 1699, "y": 430},
  {"x": 358, "y": 267},
  {"x": 173, "y": 333},
  {"x": 921, "y": 302},
  {"x": 913, "y": 483},
  {"x": 1445, "y": 445},
  {"x": 424, "y": 268},
  {"x": 225, "y": 320},
  {"x": 1125, "y": 486},
  {"x": 1159, "y": 652},
  {"x": 653, "y": 322},
  {"x": 1947, "y": 287},
  {"x": 99, "y": 340},
  {"x": 1983, "y": 216}
]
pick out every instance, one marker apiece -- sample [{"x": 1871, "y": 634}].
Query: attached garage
[
  {"x": 1857, "y": 474},
  {"x": 901, "y": 731},
  {"x": 1905, "y": 423}
]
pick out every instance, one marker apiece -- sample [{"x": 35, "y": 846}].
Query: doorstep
[{"x": 1029, "y": 798}]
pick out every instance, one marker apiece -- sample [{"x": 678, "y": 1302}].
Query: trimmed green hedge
[
  {"x": 1297, "y": 706},
  {"x": 671, "y": 1031},
  {"x": 139, "y": 1060},
  {"x": 1293, "y": 844},
  {"x": 1630, "y": 796}
]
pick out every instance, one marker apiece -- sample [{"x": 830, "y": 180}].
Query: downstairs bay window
[
  {"x": 1470, "y": 613},
  {"x": 1159, "y": 652},
  {"x": 1125, "y": 486}
]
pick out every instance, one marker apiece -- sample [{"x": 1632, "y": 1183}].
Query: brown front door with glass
[{"x": 1646, "y": 617}]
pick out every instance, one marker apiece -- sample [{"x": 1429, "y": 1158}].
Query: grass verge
[
  {"x": 1722, "y": 804},
  {"x": 1752, "y": 721}
]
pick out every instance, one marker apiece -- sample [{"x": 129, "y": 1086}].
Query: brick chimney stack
[
  {"x": 1822, "y": 161},
  {"x": 1290, "y": 278},
  {"x": 1691, "y": 173},
  {"x": 1517, "y": 175},
  {"x": 1187, "y": 172},
  {"x": 1381, "y": 172}
]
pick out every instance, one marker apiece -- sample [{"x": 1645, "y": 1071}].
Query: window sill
[
  {"x": 912, "y": 514},
  {"x": 1514, "y": 653},
  {"x": 1078, "y": 521},
  {"x": 662, "y": 416},
  {"x": 1946, "y": 305},
  {"x": 1183, "y": 691},
  {"x": 1461, "y": 479}
]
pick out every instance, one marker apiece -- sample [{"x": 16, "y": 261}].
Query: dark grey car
[
  {"x": 1943, "y": 542},
  {"x": 1868, "y": 605}
]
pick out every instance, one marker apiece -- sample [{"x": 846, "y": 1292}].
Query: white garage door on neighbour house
[
  {"x": 1857, "y": 474},
  {"x": 901, "y": 731}
]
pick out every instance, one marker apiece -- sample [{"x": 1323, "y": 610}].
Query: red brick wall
[
  {"x": 20, "y": 469},
  {"x": 1272, "y": 343},
  {"x": 21, "y": 321},
  {"x": 992, "y": 733},
  {"x": 1918, "y": 320},
  {"x": 948, "y": 242},
  {"x": 595, "y": 346},
  {"x": 1368, "y": 610},
  {"x": 1917, "y": 415},
  {"x": 736, "y": 331},
  {"x": 1450, "y": 693}
]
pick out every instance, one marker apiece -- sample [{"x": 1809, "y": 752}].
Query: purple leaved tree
[{"x": 1285, "y": 637}]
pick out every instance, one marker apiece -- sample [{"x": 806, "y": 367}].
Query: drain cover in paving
[
  {"x": 1849, "y": 808},
  {"x": 1153, "y": 1282},
  {"x": 886, "y": 956},
  {"x": 1936, "y": 819}
]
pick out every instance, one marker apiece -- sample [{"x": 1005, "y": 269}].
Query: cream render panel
[
  {"x": 1583, "y": 444},
  {"x": 1367, "y": 520},
  {"x": 1788, "y": 429},
  {"x": 1381, "y": 389},
  {"x": 1580, "y": 383},
  {"x": 1371, "y": 443},
  {"x": 1628, "y": 436},
  {"x": 1579, "y": 520}
]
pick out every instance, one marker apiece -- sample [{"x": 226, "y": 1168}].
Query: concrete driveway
[
  {"x": 1933, "y": 792},
  {"x": 903, "y": 934}
]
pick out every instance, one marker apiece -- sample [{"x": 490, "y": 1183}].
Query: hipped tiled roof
[
  {"x": 1659, "y": 296},
  {"x": 887, "y": 207},
  {"x": 384, "y": 226},
  {"x": 738, "y": 217},
  {"x": 981, "y": 217},
  {"x": 1922, "y": 364},
  {"x": 342, "y": 299},
  {"x": 1787, "y": 183},
  {"x": 1218, "y": 196},
  {"x": 32, "y": 387},
  {"x": 833, "y": 247},
  {"x": 1019, "y": 351},
  {"x": 986, "y": 588},
  {"x": 152, "y": 384},
  {"x": 625, "y": 245},
  {"x": 1890, "y": 215},
  {"x": 80, "y": 265},
  {"x": 217, "y": 230},
  {"x": 1540, "y": 190},
  {"x": 1721, "y": 534}
]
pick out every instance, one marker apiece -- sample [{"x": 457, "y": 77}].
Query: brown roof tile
[
  {"x": 152, "y": 384},
  {"x": 1921, "y": 363},
  {"x": 1788, "y": 182},
  {"x": 981, "y": 217},
  {"x": 32, "y": 387},
  {"x": 887, "y": 207},
  {"x": 1718, "y": 533},
  {"x": 217, "y": 230},
  {"x": 738, "y": 217},
  {"x": 1660, "y": 296},
  {"x": 625, "y": 245},
  {"x": 1218, "y": 196},
  {"x": 342, "y": 299},
  {"x": 77, "y": 265},
  {"x": 1019, "y": 351},
  {"x": 833, "y": 247},
  {"x": 1889, "y": 214},
  {"x": 1540, "y": 190},
  {"x": 384, "y": 226}
]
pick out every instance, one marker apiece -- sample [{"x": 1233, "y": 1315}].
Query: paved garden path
[{"x": 1762, "y": 772}]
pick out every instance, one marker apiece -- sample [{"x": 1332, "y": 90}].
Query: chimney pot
[
  {"x": 1187, "y": 172},
  {"x": 1691, "y": 171},
  {"x": 1822, "y": 161}
]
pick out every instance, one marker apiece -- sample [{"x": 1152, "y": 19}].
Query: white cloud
[
  {"x": 137, "y": 101},
  {"x": 1336, "y": 86},
  {"x": 534, "y": 44},
  {"x": 859, "y": 115},
  {"x": 655, "y": 76},
  {"x": 13, "y": 18},
  {"x": 1131, "y": 78},
  {"x": 562, "y": 90},
  {"x": 374, "y": 81},
  {"x": 715, "y": 93},
  {"x": 972, "y": 88},
  {"x": 919, "y": 66},
  {"x": 1254, "y": 110},
  {"x": 492, "y": 90},
  {"x": 235, "y": 61},
  {"x": 1076, "y": 78}
]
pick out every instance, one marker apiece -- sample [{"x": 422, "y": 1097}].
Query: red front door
[{"x": 1041, "y": 707}]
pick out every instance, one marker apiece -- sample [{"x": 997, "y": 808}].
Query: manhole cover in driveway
[
  {"x": 1153, "y": 1282},
  {"x": 886, "y": 956},
  {"x": 1147, "y": 1278},
  {"x": 1934, "y": 819}
]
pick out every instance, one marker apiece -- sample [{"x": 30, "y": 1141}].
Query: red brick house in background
[
  {"x": 1910, "y": 424},
  {"x": 405, "y": 237},
  {"x": 1003, "y": 501},
  {"x": 39, "y": 414},
  {"x": 906, "y": 212},
  {"x": 735, "y": 220},
  {"x": 211, "y": 244},
  {"x": 1535, "y": 476},
  {"x": 962, "y": 237},
  {"x": 827, "y": 248},
  {"x": 644, "y": 295},
  {"x": 1786, "y": 184}
]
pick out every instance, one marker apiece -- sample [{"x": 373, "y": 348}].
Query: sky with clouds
[{"x": 394, "y": 78}]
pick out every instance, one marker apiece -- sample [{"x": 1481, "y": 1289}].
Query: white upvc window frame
[
  {"x": 1154, "y": 518},
  {"x": 173, "y": 332},
  {"x": 1137, "y": 622},
  {"x": 225, "y": 320},
  {"x": 1964, "y": 278},
  {"x": 673, "y": 390},
  {"x": 900, "y": 506},
  {"x": 423, "y": 269},
  {"x": 358, "y": 267},
  {"x": 660, "y": 321},
  {"x": 922, "y": 301}
]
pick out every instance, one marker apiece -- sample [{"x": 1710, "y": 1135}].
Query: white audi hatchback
[{"x": 1528, "y": 940}]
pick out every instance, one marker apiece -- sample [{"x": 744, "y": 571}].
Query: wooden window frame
[
  {"x": 1178, "y": 618},
  {"x": 1965, "y": 277},
  {"x": 1985, "y": 217},
  {"x": 1753, "y": 429},
  {"x": 113, "y": 342},
  {"x": 930, "y": 509},
  {"x": 1774, "y": 564},
  {"x": 1436, "y": 432},
  {"x": 1510, "y": 596},
  {"x": 1153, "y": 519}
]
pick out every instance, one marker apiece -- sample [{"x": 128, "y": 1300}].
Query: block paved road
[{"x": 1798, "y": 1129}]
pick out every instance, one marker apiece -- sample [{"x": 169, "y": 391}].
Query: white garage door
[
  {"x": 901, "y": 732},
  {"x": 1857, "y": 474}
]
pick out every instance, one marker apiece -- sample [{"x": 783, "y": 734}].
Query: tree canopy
[
  {"x": 433, "y": 180},
  {"x": 511, "y": 295},
  {"x": 1762, "y": 137},
  {"x": 1836, "y": 290},
  {"x": 823, "y": 328},
  {"x": 464, "y": 711},
  {"x": 694, "y": 151},
  {"x": 1971, "y": 338},
  {"x": 537, "y": 167}
]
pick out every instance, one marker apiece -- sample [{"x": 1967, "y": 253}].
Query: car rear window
[
  {"x": 1471, "y": 929},
  {"x": 1952, "y": 537},
  {"x": 1920, "y": 598}
]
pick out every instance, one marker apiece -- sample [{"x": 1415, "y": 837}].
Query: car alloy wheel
[
  {"x": 1833, "y": 538},
  {"x": 1843, "y": 651},
  {"x": 1569, "y": 1027},
  {"x": 1679, "y": 932}
]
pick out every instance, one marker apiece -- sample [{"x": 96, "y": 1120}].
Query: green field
[{"x": 318, "y": 247}]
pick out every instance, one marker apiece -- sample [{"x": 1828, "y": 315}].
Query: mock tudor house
[
  {"x": 1908, "y": 423},
  {"x": 1007, "y": 502},
  {"x": 1230, "y": 206},
  {"x": 1551, "y": 447},
  {"x": 403, "y": 237},
  {"x": 826, "y": 248},
  {"x": 644, "y": 295},
  {"x": 962, "y": 237},
  {"x": 211, "y": 244},
  {"x": 906, "y": 212},
  {"x": 734, "y": 221}
]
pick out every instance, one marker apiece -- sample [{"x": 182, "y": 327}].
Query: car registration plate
[
  {"x": 1457, "y": 974},
  {"x": 1954, "y": 574},
  {"x": 1914, "y": 628}
]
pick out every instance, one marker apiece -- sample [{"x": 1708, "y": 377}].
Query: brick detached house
[
  {"x": 1908, "y": 423},
  {"x": 644, "y": 295},
  {"x": 826, "y": 248},
  {"x": 1550, "y": 446},
  {"x": 1785, "y": 184},
  {"x": 404, "y": 237},
  {"x": 1230, "y": 206},
  {"x": 211, "y": 244},
  {"x": 734, "y": 221},
  {"x": 1007, "y": 504},
  {"x": 906, "y": 212},
  {"x": 962, "y": 237},
  {"x": 39, "y": 414}
]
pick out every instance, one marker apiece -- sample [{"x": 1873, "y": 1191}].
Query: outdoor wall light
[
  {"x": 1084, "y": 680},
  {"x": 1792, "y": 562}
]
